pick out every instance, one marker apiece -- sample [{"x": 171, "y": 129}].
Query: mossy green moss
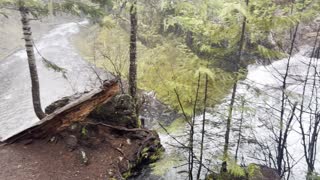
[
  {"x": 236, "y": 170},
  {"x": 149, "y": 154},
  {"x": 152, "y": 157},
  {"x": 127, "y": 174},
  {"x": 254, "y": 171},
  {"x": 84, "y": 131}
]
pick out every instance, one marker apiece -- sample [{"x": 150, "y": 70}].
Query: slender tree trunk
[
  {"x": 233, "y": 96},
  {"x": 191, "y": 138},
  {"x": 32, "y": 62},
  {"x": 281, "y": 140},
  {"x": 306, "y": 145},
  {"x": 133, "y": 57},
  {"x": 203, "y": 125},
  {"x": 227, "y": 135},
  {"x": 240, "y": 130}
]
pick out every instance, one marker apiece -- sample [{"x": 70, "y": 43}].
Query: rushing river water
[
  {"x": 258, "y": 103},
  {"x": 16, "y": 110},
  {"x": 261, "y": 92}
]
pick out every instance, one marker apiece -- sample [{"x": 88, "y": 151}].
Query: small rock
[
  {"x": 53, "y": 139},
  {"x": 75, "y": 128},
  {"x": 120, "y": 158},
  {"x": 110, "y": 172},
  {"x": 72, "y": 142},
  {"x": 84, "y": 157}
]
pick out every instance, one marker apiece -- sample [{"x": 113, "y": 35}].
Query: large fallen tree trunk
[{"x": 75, "y": 111}]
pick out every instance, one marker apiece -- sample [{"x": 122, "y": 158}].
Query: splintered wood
[{"x": 75, "y": 111}]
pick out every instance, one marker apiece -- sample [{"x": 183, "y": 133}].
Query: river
[
  {"x": 260, "y": 90},
  {"x": 260, "y": 93},
  {"x": 16, "y": 110}
]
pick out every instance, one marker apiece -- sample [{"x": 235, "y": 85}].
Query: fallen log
[{"x": 75, "y": 111}]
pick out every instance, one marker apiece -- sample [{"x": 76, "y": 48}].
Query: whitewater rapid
[{"x": 261, "y": 93}]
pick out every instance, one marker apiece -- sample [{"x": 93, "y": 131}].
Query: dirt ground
[{"x": 108, "y": 158}]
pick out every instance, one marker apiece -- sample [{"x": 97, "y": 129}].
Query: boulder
[
  {"x": 62, "y": 102},
  {"x": 261, "y": 172},
  {"x": 253, "y": 172},
  {"x": 154, "y": 111},
  {"x": 120, "y": 111}
]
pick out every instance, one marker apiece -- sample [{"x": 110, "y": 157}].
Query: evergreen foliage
[
  {"x": 216, "y": 31},
  {"x": 162, "y": 69},
  {"x": 39, "y": 8},
  {"x": 178, "y": 40}
]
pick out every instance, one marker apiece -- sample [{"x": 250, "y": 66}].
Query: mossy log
[{"x": 75, "y": 111}]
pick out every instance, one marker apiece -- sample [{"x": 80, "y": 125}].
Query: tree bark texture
[
  {"x": 133, "y": 52},
  {"x": 133, "y": 57},
  {"x": 35, "y": 87}
]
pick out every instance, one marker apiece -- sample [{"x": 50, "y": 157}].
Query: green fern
[{"x": 235, "y": 169}]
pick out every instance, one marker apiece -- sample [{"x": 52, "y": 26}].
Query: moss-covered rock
[
  {"x": 119, "y": 111},
  {"x": 251, "y": 172},
  {"x": 224, "y": 176},
  {"x": 261, "y": 172},
  {"x": 151, "y": 152}
]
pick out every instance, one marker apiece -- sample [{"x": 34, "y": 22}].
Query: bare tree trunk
[
  {"x": 133, "y": 57},
  {"x": 227, "y": 135},
  {"x": 203, "y": 126},
  {"x": 240, "y": 130},
  {"x": 310, "y": 146},
  {"x": 24, "y": 12},
  {"x": 233, "y": 96},
  {"x": 281, "y": 140},
  {"x": 191, "y": 136}
]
